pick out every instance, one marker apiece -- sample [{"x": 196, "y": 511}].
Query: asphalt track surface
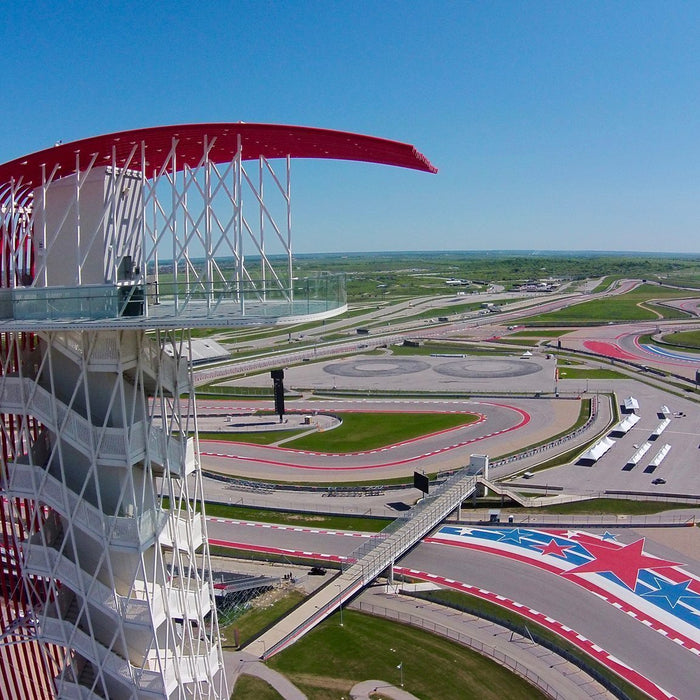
[
  {"x": 679, "y": 468},
  {"x": 619, "y": 625},
  {"x": 627, "y": 636},
  {"x": 621, "y": 342},
  {"x": 666, "y": 663},
  {"x": 659, "y": 643},
  {"x": 502, "y": 427}
]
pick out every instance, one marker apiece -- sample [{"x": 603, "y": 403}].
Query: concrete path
[
  {"x": 362, "y": 691},
  {"x": 239, "y": 663},
  {"x": 557, "y": 678}
]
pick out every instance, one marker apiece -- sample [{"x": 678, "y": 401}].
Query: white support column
[
  {"x": 261, "y": 211},
  {"x": 290, "y": 272},
  {"x": 78, "y": 242},
  {"x": 173, "y": 224},
  {"x": 239, "y": 243},
  {"x": 208, "y": 248}
]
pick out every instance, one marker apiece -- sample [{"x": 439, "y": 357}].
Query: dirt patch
[
  {"x": 269, "y": 598},
  {"x": 324, "y": 682},
  {"x": 304, "y": 516}
]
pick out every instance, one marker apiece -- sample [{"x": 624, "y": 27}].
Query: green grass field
[
  {"x": 265, "y": 515},
  {"x": 537, "y": 333},
  {"x": 591, "y": 373},
  {"x": 251, "y": 688},
  {"x": 330, "y": 659},
  {"x": 369, "y": 431},
  {"x": 511, "y": 620},
  {"x": 362, "y": 431},
  {"x": 267, "y": 437},
  {"x": 612, "y": 506},
  {"x": 633, "y": 306},
  {"x": 689, "y": 340},
  {"x": 250, "y": 623}
]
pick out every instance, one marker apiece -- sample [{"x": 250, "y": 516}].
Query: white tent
[
  {"x": 624, "y": 425},
  {"x": 661, "y": 427},
  {"x": 643, "y": 449},
  {"x": 631, "y": 404},
  {"x": 598, "y": 450},
  {"x": 660, "y": 456}
]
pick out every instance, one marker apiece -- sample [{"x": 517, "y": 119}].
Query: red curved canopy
[{"x": 268, "y": 140}]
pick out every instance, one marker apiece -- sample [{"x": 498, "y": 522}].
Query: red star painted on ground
[
  {"x": 553, "y": 548},
  {"x": 624, "y": 562}
]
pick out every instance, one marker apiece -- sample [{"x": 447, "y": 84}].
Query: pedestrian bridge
[{"x": 376, "y": 555}]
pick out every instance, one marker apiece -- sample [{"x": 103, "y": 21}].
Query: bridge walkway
[{"x": 374, "y": 556}]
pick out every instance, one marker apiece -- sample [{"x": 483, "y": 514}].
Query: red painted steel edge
[{"x": 123, "y": 149}]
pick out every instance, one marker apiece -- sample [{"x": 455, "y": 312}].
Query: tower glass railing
[{"x": 321, "y": 294}]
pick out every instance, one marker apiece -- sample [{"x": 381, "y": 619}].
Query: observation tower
[{"x": 112, "y": 249}]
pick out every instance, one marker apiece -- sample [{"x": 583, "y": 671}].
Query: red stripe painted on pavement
[
  {"x": 584, "y": 583},
  {"x": 293, "y": 528},
  {"x": 629, "y": 674},
  {"x": 525, "y": 419},
  {"x": 609, "y": 350},
  {"x": 279, "y": 550}
]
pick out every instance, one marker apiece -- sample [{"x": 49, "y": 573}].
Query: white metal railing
[
  {"x": 171, "y": 372},
  {"x": 187, "y": 603},
  {"x": 66, "y": 634},
  {"x": 370, "y": 559},
  {"x": 191, "y": 667},
  {"x": 48, "y": 562},
  {"x": 69, "y": 690},
  {"x": 24, "y": 396},
  {"x": 35, "y": 483},
  {"x": 110, "y": 354},
  {"x": 122, "y": 445},
  {"x": 171, "y": 450},
  {"x": 183, "y": 532}
]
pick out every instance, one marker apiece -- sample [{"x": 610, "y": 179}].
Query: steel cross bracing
[
  {"x": 371, "y": 559},
  {"x": 114, "y": 559},
  {"x": 183, "y": 235},
  {"x": 111, "y": 250}
]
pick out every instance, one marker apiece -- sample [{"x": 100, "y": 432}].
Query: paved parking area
[
  {"x": 680, "y": 468},
  {"x": 455, "y": 373}
]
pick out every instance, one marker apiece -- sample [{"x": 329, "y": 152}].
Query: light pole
[{"x": 340, "y": 603}]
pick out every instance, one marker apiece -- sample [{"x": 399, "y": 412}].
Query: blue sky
[{"x": 555, "y": 125}]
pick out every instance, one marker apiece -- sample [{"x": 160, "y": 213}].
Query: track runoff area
[{"x": 658, "y": 593}]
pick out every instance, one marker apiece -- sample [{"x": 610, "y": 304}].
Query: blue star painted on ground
[
  {"x": 673, "y": 592},
  {"x": 515, "y": 535},
  {"x": 609, "y": 536}
]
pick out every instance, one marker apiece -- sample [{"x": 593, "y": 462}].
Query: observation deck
[
  {"x": 149, "y": 305},
  {"x": 183, "y": 226}
]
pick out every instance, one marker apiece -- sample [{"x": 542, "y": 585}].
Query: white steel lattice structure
[{"x": 111, "y": 250}]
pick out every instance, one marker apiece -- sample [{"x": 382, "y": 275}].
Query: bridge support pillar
[
  {"x": 479, "y": 464},
  {"x": 389, "y": 574}
]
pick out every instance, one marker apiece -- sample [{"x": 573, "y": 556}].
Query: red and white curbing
[
  {"x": 593, "y": 650},
  {"x": 246, "y": 546},
  {"x": 291, "y": 528}
]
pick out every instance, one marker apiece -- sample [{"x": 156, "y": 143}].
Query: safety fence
[{"x": 489, "y": 650}]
